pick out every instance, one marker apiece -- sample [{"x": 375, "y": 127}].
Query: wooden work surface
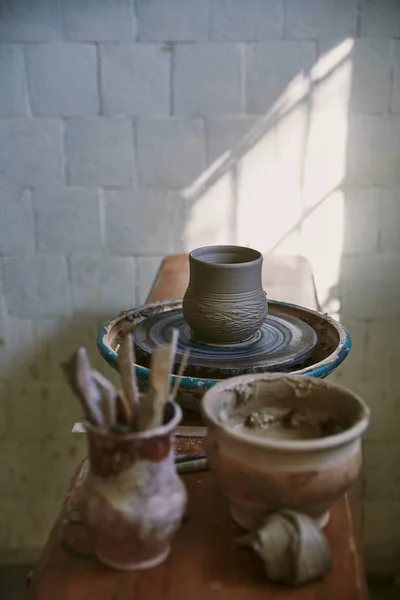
[{"x": 204, "y": 562}]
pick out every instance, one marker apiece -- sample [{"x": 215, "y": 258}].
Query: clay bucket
[
  {"x": 225, "y": 302},
  {"x": 261, "y": 475},
  {"x": 133, "y": 500}
]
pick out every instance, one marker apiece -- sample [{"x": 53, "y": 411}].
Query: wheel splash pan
[{"x": 333, "y": 345}]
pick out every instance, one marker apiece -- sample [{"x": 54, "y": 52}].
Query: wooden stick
[
  {"x": 109, "y": 399},
  {"x": 79, "y": 375},
  {"x": 173, "y": 346},
  {"x": 180, "y": 373},
  {"x": 124, "y": 408},
  {"x": 146, "y": 410},
  {"x": 161, "y": 366},
  {"x": 151, "y": 410},
  {"x": 127, "y": 371}
]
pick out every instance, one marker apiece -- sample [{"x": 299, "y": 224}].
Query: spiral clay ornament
[{"x": 292, "y": 547}]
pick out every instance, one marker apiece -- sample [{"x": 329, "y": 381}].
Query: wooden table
[{"x": 204, "y": 563}]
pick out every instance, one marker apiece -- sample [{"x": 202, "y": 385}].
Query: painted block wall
[{"x": 133, "y": 129}]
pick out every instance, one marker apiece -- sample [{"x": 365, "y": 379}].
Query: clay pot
[
  {"x": 133, "y": 500},
  {"x": 260, "y": 475},
  {"x": 224, "y": 302}
]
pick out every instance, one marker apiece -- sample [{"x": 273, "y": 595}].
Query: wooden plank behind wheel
[{"x": 289, "y": 279}]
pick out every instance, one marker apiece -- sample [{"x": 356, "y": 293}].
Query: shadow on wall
[{"x": 44, "y": 453}]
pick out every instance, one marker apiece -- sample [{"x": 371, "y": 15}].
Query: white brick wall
[
  {"x": 31, "y": 152},
  {"x": 145, "y": 71},
  {"x": 262, "y": 20},
  {"x": 177, "y": 21},
  {"x": 320, "y": 18},
  {"x": 105, "y": 21},
  {"x": 63, "y": 79},
  {"x": 17, "y": 234},
  {"x": 130, "y": 224},
  {"x": 99, "y": 151},
  {"x": 36, "y": 286},
  {"x": 25, "y": 21},
  {"x": 171, "y": 152},
  {"x": 132, "y": 129},
  {"x": 215, "y": 75},
  {"x": 12, "y": 82}
]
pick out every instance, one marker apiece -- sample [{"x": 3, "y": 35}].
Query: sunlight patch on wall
[
  {"x": 211, "y": 212},
  {"x": 279, "y": 188},
  {"x": 325, "y": 169},
  {"x": 321, "y": 243}
]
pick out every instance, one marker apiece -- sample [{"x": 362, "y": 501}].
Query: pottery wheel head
[{"x": 282, "y": 342}]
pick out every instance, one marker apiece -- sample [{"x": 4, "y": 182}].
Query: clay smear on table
[{"x": 276, "y": 421}]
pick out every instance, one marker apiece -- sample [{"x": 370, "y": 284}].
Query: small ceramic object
[
  {"x": 262, "y": 472},
  {"x": 225, "y": 302},
  {"x": 133, "y": 500},
  {"x": 292, "y": 547}
]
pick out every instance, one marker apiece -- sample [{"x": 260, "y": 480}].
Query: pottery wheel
[{"x": 282, "y": 342}]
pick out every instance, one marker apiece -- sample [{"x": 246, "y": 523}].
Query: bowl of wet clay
[{"x": 283, "y": 442}]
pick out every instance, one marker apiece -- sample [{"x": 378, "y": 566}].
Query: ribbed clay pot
[
  {"x": 224, "y": 302},
  {"x": 133, "y": 500}
]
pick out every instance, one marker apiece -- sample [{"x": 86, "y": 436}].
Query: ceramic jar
[
  {"x": 262, "y": 474},
  {"x": 224, "y": 302},
  {"x": 133, "y": 500}
]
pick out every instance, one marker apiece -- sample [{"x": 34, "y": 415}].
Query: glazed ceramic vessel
[
  {"x": 260, "y": 475},
  {"x": 133, "y": 500},
  {"x": 224, "y": 302}
]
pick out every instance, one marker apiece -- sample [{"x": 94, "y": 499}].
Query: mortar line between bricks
[
  {"x": 359, "y": 19},
  {"x": 243, "y": 99},
  {"x": 135, "y": 165},
  {"x": 68, "y": 270},
  {"x": 206, "y": 128},
  {"x": 67, "y": 175},
  {"x": 61, "y": 18},
  {"x": 100, "y": 108},
  {"x": 208, "y": 38},
  {"x": 318, "y": 58},
  {"x": 28, "y": 103},
  {"x": 136, "y": 15},
  {"x": 172, "y": 79},
  {"x": 284, "y": 33},
  {"x": 391, "y": 77},
  {"x": 34, "y": 223},
  {"x": 136, "y": 279},
  {"x": 102, "y": 216}
]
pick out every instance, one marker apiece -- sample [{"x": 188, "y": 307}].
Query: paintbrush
[{"x": 128, "y": 377}]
